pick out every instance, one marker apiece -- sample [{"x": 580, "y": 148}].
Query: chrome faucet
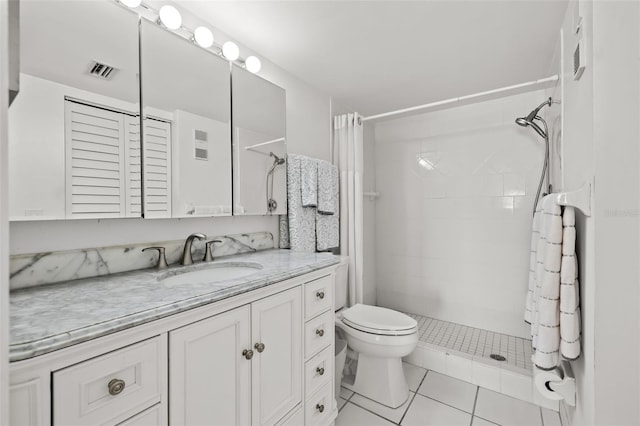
[{"x": 186, "y": 254}]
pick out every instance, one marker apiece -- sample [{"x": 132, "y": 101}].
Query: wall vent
[
  {"x": 102, "y": 71},
  {"x": 201, "y": 144}
]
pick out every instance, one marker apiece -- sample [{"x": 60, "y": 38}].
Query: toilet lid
[{"x": 376, "y": 320}]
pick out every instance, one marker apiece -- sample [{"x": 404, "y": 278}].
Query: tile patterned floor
[
  {"x": 440, "y": 400},
  {"x": 474, "y": 341}
]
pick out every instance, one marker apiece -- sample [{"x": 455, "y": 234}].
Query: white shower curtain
[{"x": 348, "y": 145}]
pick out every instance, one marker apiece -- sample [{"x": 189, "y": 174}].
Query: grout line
[
  {"x": 487, "y": 420},
  {"x": 475, "y": 402},
  {"x": 541, "y": 416},
  {"x": 371, "y": 411},
  {"x": 444, "y": 403},
  {"x": 414, "y": 396}
]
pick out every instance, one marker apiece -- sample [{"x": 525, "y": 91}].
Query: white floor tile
[
  {"x": 341, "y": 403},
  {"x": 448, "y": 390},
  {"x": 345, "y": 393},
  {"x": 427, "y": 412},
  {"x": 352, "y": 415},
  {"x": 414, "y": 375},
  {"x": 392, "y": 414},
  {"x": 477, "y": 421},
  {"x": 551, "y": 418},
  {"x": 505, "y": 410}
]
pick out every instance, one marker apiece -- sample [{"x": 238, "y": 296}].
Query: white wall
[
  {"x": 308, "y": 133},
  {"x": 4, "y": 218},
  {"x": 453, "y": 237},
  {"x": 600, "y": 140},
  {"x": 616, "y": 135}
]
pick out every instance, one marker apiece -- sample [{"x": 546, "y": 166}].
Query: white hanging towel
[
  {"x": 550, "y": 262},
  {"x": 328, "y": 185},
  {"x": 569, "y": 289},
  {"x": 328, "y": 221},
  {"x": 309, "y": 181},
  {"x": 302, "y": 220}
]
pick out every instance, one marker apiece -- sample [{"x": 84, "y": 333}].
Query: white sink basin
[{"x": 214, "y": 273}]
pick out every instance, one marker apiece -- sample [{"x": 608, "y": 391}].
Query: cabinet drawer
[
  {"x": 149, "y": 417},
  {"x": 318, "y": 295},
  {"x": 318, "y": 333},
  {"x": 319, "y": 406},
  {"x": 109, "y": 387},
  {"x": 318, "y": 371},
  {"x": 296, "y": 418}
]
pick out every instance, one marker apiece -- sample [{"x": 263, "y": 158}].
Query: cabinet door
[
  {"x": 276, "y": 322},
  {"x": 209, "y": 378}
]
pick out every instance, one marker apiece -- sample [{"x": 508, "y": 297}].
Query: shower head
[
  {"x": 277, "y": 160},
  {"x": 524, "y": 122},
  {"x": 533, "y": 115}
]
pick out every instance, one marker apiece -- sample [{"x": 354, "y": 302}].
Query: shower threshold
[{"x": 465, "y": 353}]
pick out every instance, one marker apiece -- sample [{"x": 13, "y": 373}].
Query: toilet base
[{"x": 379, "y": 379}]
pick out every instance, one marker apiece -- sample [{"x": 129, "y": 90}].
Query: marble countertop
[{"x": 51, "y": 317}]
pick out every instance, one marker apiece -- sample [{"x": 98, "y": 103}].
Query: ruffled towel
[{"x": 552, "y": 306}]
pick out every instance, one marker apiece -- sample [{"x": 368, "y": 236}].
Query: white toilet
[{"x": 378, "y": 338}]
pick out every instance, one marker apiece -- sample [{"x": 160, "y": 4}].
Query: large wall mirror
[
  {"x": 259, "y": 144},
  {"x": 186, "y": 99},
  {"x": 73, "y": 128}
]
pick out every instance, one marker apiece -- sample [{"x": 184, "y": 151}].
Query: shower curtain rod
[{"x": 463, "y": 98}]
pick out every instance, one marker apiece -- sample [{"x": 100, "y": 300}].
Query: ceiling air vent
[{"x": 102, "y": 71}]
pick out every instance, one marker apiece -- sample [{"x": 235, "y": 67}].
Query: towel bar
[{"x": 580, "y": 199}]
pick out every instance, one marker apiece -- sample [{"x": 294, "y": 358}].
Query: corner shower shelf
[{"x": 580, "y": 199}]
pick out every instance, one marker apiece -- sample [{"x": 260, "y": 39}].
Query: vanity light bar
[{"x": 169, "y": 17}]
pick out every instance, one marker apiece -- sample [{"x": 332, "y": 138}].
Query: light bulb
[
  {"x": 170, "y": 17},
  {"x": 230, "y": 51},
  {"x": 203, "y": 36},
  {"x": 253, "y": 64},
  {"x": 131, "y": 3}
]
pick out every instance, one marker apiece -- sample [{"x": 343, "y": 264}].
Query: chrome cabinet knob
[
  {"x": 116, "y": 386},
  {"x": 320, "y": 371},
  {"x": 259, "y": 347},
  {"x": 247, "y": 353},
  {"x": 320, "y": 295},
  {"x": 320, "y": 332},
  {"x": 320, "y": 407}
]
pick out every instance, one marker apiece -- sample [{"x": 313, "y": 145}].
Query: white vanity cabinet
[
  {"x": 240, "y": 367},
  {"x": 263, "y": 357}
]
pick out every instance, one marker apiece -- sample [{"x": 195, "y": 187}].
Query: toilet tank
[{"x": 342, "y": 277}]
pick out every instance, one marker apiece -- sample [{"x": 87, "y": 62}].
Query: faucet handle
[
  {"x": 162, "y": 260},
  {"x": 208, "y": 256}
]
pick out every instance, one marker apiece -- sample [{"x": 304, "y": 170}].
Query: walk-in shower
[
  {"x": 272, "y": 205},
  {"x": 529, "y": 121}
]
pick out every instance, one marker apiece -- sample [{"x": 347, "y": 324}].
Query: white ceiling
[{"x": 377, "y": 56}]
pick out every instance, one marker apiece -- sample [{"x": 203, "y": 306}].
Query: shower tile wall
[{"x": 454, "y": 216}]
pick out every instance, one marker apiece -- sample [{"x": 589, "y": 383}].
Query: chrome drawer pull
[
  {"x": 320, "y": 407},
  {"x": 320, "y": 371},
  {"x": 320, "y": 295},
  {"x": 247, "y": 353},
  {"x": 320, "y": 332},
  {"x": 259, "y": 347},
  {"x": 116, "y": 386}
]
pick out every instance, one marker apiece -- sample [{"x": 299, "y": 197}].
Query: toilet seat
[{"x": 377, "y": 320}]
